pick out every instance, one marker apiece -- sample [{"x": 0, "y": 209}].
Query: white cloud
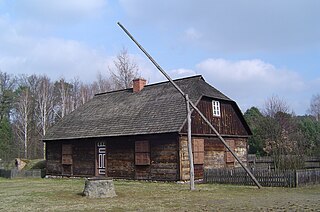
[
  {"x": 57, "y": 57},
  {"x": 181, "y": 72},
  {"x": 254, "y": 72},
  {"x": 234, "y": 26},
  {"x": 251, "y": 82},
  {"x": 27, "y": 53}
]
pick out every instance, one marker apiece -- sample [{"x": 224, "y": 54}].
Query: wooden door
[
  {"x": 67, "y": 160},
  {"x": 101, "y": 158}
]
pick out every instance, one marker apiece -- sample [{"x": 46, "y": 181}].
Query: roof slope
[{"x": 158, "y": 108}]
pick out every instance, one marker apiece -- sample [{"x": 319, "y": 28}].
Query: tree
[
  {"x": 283, "y": 141},
  {"x": 125, "y": 70},
  {"x": 276, "y": 133},
  {"x": 101, "y": 85},
  {"x": 7, "y": 85},
  {"x": 75, "y": 94},
  {"x": 254, "y": 119},
  {"x": 315, "y": 106},
  {"x": 274, "y": 105},
  {"x": 26, "y": 116},
  {"x": 86, "y": 93},
  {"x": 45, "y": 103},
  {"x": 22, "y": 117},
  {"x": 44, "y": 106},
  {"x": 6, "y": 138},
  {"x": 280, "y": 134},
  {"x": 310, "y": 131},
  {"x": 63, "y": 91}
]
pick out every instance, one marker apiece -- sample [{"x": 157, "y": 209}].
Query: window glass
[{"x": 216, "y": 108}]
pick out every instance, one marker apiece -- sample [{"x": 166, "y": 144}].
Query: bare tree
[
  {"x": 314, "y": 109},
  {"x": 64, "y": 92},
  {"x": 75, "y": 94},
  {"x": 44, "y": 106},
  {"x": 86, "y": 93},
  {"x": 279, "y": 131},
  {"x": 274, "y": 105},
  {"x": 22, "y": 117},
  {"x": 125, "y": 70},
  {"x": 102, "y": 84},
  {"x": 44, "y": 98}
]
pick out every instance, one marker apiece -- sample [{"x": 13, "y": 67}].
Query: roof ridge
[{"x": 157, "y": 83}]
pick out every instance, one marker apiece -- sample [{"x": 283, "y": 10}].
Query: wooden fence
[
  {"x": 309, "y": 176},
  {"x": 15, "y": 173},
  {"x": 267, "y": 162},
  {"x": 267, "y": 178}
]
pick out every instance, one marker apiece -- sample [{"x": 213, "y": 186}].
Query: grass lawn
[{"x": 65, "y": 195}]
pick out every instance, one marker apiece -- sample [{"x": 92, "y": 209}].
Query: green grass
[{"x": 66, "y": 195}]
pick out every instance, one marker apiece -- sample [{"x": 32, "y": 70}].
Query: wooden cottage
[{"x": 141, "y": 133}]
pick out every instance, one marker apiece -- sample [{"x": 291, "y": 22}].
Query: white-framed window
[{"x": 216, "y": 108}]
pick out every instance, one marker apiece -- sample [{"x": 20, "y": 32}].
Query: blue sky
[{"x": 250, "y": 50}]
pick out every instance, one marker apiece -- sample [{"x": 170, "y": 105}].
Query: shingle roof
[{"x": 157, "y": 108}]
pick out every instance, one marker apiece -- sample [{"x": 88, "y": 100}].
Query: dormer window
[{"x": 216, "y": 108}]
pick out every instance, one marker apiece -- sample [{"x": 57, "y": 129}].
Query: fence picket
[{"x": 269, "y": 178}]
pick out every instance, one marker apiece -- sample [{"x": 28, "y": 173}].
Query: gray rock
[{"x": 99, "y": 188}]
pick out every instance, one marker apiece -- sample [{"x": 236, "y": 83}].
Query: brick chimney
[{"x": 138, "y": 84}]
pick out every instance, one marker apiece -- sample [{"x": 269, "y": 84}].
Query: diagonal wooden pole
[{"x": 193, "y": 106}]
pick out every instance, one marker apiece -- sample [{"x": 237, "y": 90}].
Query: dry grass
[{"x": 65, "y": 195}]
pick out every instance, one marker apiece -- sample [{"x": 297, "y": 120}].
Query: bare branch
[{"x": 125, "y": 70}]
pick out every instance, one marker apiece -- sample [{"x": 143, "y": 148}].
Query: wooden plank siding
[
  {"x": 83, "y": 158},
  {"x": 53, "y": 158},
  {"x": 214, "y": 155},
  {"x": 164, "y": 158},
  {"x": 120, "y": 158},
  {"x": 228, "y": 123}
]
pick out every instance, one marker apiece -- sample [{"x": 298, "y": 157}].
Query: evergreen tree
[
  {"x": 6, "y": 144},
  {"x": 254, "y": 118}
]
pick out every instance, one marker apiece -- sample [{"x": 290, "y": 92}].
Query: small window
[
  {"x": 198, "y": 151},
  {"x": 142, "y": 153},
  {"x": 216, "y": 108}
]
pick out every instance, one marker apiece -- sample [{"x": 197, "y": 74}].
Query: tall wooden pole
[
  {"x": 190, "y": 144},
  {"x": 193, "y": 106}
]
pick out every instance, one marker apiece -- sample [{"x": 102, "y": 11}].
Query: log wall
[
  {"x": 215, "y": 155},
  {"x": 168, "y": 156},
  {"x": 164, "y": 159},
  {"x": 163, "y": 155},
  {"x": 120, "y": 158},
  {"x": 53, "y": 158},
  {"x": 83, "y": 158},
  {"x": 229, "y": 123}
]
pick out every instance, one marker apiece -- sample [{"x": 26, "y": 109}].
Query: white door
[{"x": 101, "y": 147}]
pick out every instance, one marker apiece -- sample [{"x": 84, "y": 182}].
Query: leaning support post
[
  {"x": 190, "y": 143},
  {"x": 192, "y": 105}
]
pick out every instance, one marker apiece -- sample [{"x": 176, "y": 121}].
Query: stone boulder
[
  {"x": 20, "y": 164},
  {"x": 99, "y": 188}
]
